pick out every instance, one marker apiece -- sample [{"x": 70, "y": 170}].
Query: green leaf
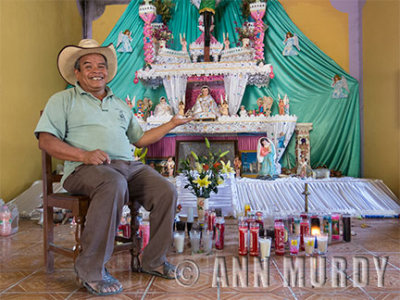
[{"x": 207, "y": 143}]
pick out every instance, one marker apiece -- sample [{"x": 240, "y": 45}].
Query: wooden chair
[{"x": 78, "y": 205}]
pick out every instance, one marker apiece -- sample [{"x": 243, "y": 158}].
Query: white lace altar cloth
[{"x": 356, "y": 196}]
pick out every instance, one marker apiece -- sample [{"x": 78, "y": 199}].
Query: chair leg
[
  {"x": 80, "y": 221},
  {"x": 136, "y": 239},
  {"x": 48, "y": 238}
]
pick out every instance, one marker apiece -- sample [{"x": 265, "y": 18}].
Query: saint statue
[
  {"x": 163, "y": 108},
  {"x": 205, "y": 106}
]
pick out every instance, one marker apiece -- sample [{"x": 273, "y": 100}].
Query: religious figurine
[
  {"x": 340, "y": 87},
  {"x": 183, "y": 42},
  {"x": 139, "y": 109},
  {"x": 163, "y": 108},
  {"x": 243, "y": 112},
  {"x": 170, "y": 166},
  {"x": 131, "y": 103},
  {"x": 266, "y": 155},
  {"x": 291, "y": 41},
  {"x": 267, "y": 104},
  {"x": 124, "y": 39},
  {"x": 286, "y": 102},
  {"x": 181, "y": 108},
  {"x": 224, "y": 108},
  {"x": 304, "y": 170},
  {"x": 226, "y": 41},
  {"x": 281, "y": 106},
  {"x": 281, "y": 140},
  {"x": 205, "y": 106},
  {"x": 237, "y": 165},
  {"x": 260, "y": 106},
  {"x": 147, "y": 106}
]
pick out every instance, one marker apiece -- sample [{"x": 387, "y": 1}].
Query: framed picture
[
  {"x": 159, "y": 164},
  {"x": 184, "y": 148},
  {"x": 249, "y": 163}
]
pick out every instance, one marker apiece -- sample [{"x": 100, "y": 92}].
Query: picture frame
[
  {"x": 158, "y": 164},
  {"x": 250, "y": 165}
]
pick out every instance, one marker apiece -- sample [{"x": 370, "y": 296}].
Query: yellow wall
[
  {"x": 32, "y": 33},
  {"x": 381, "y": 30}
]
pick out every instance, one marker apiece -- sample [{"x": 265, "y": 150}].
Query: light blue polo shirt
[{"x": 83, "y": 121}]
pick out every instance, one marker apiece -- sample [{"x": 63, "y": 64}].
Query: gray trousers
[{"x": 110, "y": 187}]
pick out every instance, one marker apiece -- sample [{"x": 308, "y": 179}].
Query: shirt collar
[{"x": 82, "y": 91}]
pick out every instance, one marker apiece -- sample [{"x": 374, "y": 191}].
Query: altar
[{"x": 283, "y": 196}]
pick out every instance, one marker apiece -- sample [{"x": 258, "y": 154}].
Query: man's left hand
[{"x": 180, "y": 120}]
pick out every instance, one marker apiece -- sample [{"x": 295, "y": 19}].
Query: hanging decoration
[
  {"x": 124, "y": 41},
  {"x": 257, "y": 10},
  {"x": 147, "y": 13},
  {"x": 340, "y": 87},
  {"x": 291, "y": 41}
]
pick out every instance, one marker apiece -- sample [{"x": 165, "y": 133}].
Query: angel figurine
[
  {"x": 131, "y": 103},
  {"x": 183, "y": 42},
  {"x": 226, "y": 41},
  {"x": 243, "y": 112},
  {"x": 266, "y": 155},
  {"x": 340, "y": 87},
  {"x": 224, "y": 108},
  {"x": 291, "y": 41},
  {"x": 124, "y": 39}
]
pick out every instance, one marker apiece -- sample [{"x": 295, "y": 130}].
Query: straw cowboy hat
[{"x": 69, "y": 54}]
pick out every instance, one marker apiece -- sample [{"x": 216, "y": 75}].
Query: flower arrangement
[
  {"x": 164, "y": 8},
  {"x": 205, "y": 176},
  {"x": 246, "y": 31},
  {"x": 162, "y": 33}
]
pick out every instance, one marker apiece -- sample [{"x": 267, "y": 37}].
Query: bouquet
[{"x": 205, "y": 176}]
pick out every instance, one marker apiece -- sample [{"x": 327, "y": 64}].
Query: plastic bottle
[{"x": 5, "y": 221}]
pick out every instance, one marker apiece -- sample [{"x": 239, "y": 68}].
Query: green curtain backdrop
[{"x": 306, "y": 78}]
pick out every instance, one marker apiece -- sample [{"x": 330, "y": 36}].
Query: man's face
[{"x": 93, "y": 73}]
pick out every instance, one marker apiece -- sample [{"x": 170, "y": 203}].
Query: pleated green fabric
[{"x": 305, "y": 78}]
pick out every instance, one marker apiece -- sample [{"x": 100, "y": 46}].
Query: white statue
[
  {"x": 163, "y": 108},
  {"x": 205, "y": 106}
]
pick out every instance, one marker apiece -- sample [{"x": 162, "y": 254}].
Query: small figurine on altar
[
  {"x": 237, "y": 164},
  {"x": 304, "y": 170},
  {"x": 224, "y": 108},
  {"x": 340, "y": 87},
  {"x": 183, "y": 42},
  {"x": 266, "y": 155},
  {"x": 226, "y": 41},
  {"x": 147, "y": 106},
  {"x": 281, "y": 140},
  {"x": 181, "y": 108},
  {"x": 286, "y": 102},
  {"x": 260, "y": 106},
  {"x": 243, "y": 112},
  {"x": 170, "y": 165},
  {"x": 267, "y": 104},
  {"x": 281, "y": 106},
  {"x": 205, "y": 106},
  {"x": 291, "y": 41},
  {"x": 124, "y": 39},
  {"x": 139, "y": 112},
  {"x": 163, "y": 108},
  {"x": 131, "y": 103}
]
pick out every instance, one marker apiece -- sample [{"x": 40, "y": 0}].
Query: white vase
[{"x": 202, "y": 206}]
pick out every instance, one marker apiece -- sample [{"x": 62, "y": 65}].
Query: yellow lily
[
  {"x": 202, "y": 182},
  {"x": 226, "y": 168}
]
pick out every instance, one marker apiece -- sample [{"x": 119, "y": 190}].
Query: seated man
[
  {"x": 92, "y": 130},
  {"x": 205, "y": 106}
]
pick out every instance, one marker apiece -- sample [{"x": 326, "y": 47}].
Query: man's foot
[
  {"x": 103, "y": 287},
  {"x": 166, "y": 270}
]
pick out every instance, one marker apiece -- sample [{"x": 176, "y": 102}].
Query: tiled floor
[{"x": 22, "y": 274}]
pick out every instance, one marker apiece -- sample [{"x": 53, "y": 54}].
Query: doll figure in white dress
[
  {"x": 163, "y": 108},
  {"x": 340, "y": 87},
  {"x": 291, "y": 42},
  {"x": 205, "y": 106}
]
